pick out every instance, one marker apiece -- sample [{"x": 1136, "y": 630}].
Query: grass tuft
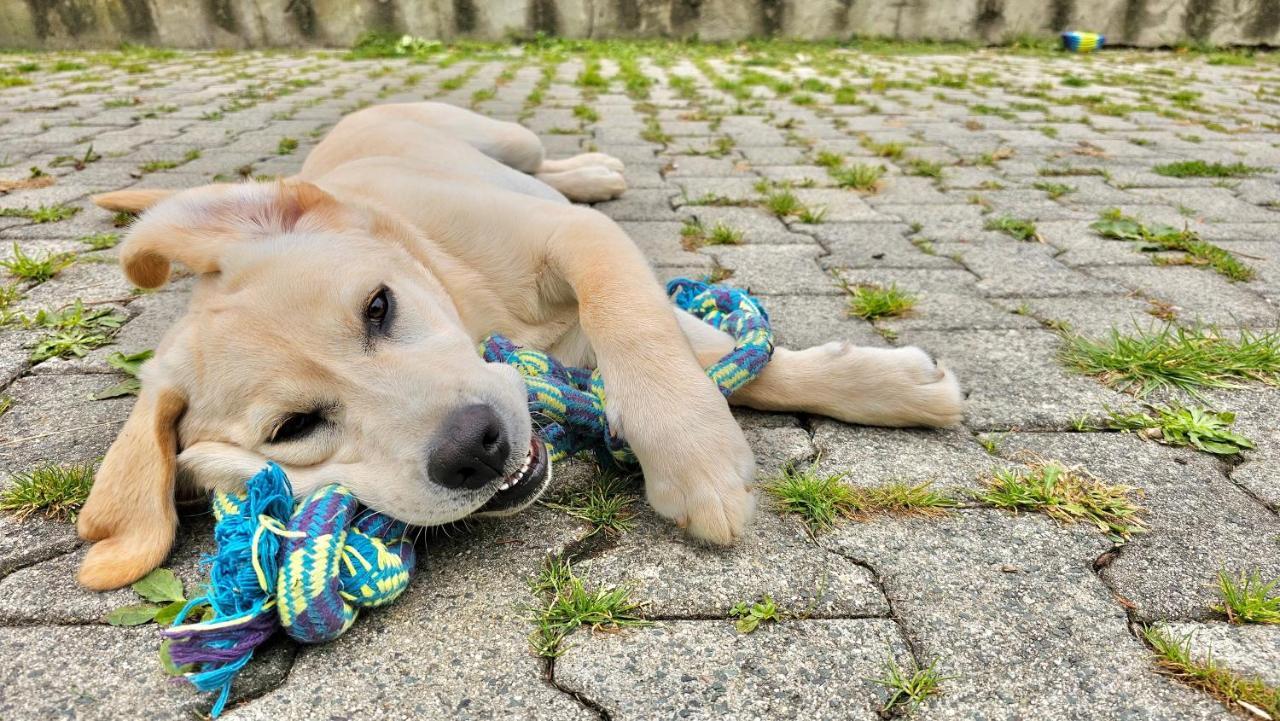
[
  {"x": 1201, "y": 169},
  {"x": 570, "y": 603},
  {"x": 36, "y": 269},
  {"x": 1173, "y": 656},
  {"x": 1054, "y": 190},
  {"x": 41, "y": 214},
  {"x": 1175, "y": 358},
  {"x": 1246, "y": 598},
  {"x": 1204, "y": 429},
  {"x": 821, "y": 500},
  {"x": 1018, "y": 228},
  {"x": 605, "y": 503},
  {"x": 1067, "y": 495},
  {"x": 869, "y": 301},
  {"x": 925, "y": 168},
  {"x": 57, "y": 491},
  {"x": 909, "y": 687},
  {"x": 859, "y": 176},
  {"x": 101, "y": 241}
]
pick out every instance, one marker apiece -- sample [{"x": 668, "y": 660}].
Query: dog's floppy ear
[
  {"x": 130, "y": 512},
  {"x": 194, "y": 227}
]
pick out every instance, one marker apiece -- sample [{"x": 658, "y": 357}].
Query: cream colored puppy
[{"x": 335, "y": 323}]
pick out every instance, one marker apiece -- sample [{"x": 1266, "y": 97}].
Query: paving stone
[
  {"x": 1200, "y": 294},
  {"x": 757, "y": 226},
  {"x": 1199, "y": 522},
  {"x": 52, "y": 420},
  {"x": 877, "y": 456},
  {"x": 774, "y": 269},
  {"x": 30, "y": 540},
  {"x": 99, "y": 672},
  {"x": 1012, "y": 379},
  {"x": 706, "y": 670},
  {"x": 874, "y": 245},
  {"x": 1094, "y": 316},
  {"x": 803, "y": 321},
  {"x": 47, "y": 593},
  {"x": 680, "y": 579},
  {"x": 1025, "y": 269},
  {"x": 1010, "y": 608}
]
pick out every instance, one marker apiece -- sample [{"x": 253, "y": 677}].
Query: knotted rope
[
  {"x": 568, "y": 404},
  {"x": 309, "y": 567}
]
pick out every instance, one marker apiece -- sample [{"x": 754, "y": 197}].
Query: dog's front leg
[{"x": 696, "y": 462}]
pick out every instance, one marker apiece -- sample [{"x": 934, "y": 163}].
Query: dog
[{"x": 334, "y": 324}]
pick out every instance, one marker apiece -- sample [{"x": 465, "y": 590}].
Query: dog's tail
[{"x": 131, "y": 201}]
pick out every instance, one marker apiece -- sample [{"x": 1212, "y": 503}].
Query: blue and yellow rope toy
[{"x": 309, "y": 567}]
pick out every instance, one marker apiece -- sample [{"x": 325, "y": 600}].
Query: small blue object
[{"x": 1078, "y": 42}]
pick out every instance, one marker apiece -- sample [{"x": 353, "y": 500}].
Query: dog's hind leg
[
  {"x": 855, "y": 384},
  {"x": 586, "y": 184},
  {"x": 583, "y": 160}
]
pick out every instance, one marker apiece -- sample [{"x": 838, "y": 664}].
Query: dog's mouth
[{"x": 524, "y": 485}]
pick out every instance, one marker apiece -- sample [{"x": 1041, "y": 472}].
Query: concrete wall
[{"x": 266, "y": 23}]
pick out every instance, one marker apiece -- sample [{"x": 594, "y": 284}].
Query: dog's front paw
[{"x": 702, "y": 482}]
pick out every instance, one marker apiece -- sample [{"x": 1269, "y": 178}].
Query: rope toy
[
  {"x": 309, "y": 567},
  {"x": 567, "y": 404}
]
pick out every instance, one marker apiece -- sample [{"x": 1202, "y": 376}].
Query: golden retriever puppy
[{"x": 334, "y": 330}]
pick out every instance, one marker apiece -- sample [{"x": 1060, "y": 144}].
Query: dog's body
[{"x": 334, "y": 327}]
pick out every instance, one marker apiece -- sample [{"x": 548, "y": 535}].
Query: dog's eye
[
  {"x": 295, "y": 426},
  {"x": 377, "y": 312}
]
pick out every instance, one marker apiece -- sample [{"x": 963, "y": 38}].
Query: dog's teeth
[{"x": 505, "y": 485}]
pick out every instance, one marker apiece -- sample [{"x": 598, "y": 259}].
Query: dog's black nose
[{"x": 470, "y": 448}]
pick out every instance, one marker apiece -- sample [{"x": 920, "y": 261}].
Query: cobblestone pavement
[{"x": 1026, "y": 618}]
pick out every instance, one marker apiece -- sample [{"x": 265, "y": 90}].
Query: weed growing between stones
[
  {"x": 41, "y": 214},
  {"x": 694, "y": 234},
  {"x": 57, "y": 491},
  {"x": 751, "y": 614},
  {"x": 1246, "y": 598},
  {"x": 1173, "y": 657},
  {"x": 36, "y": 269},
  {"x": 869, "y": 301},
  {"x": 101, "y": 241},
  {"x": 72, "y": 331},
  {"x": 569, "y": 603},
  {"x": 130, "y": 365},
  {"x": 1201, "y": 428},
  {"x": 1175, "y": 358},
  {"x": 924, "y": 168},
  {"x": 1024, "y": 230},
  {"x": 1065, "y": 494},
  {"x": 1115, "y": 225},
  {"x": 158, "y": 165},
  {"x": 1054, "y": 190},
  {"x": 286, "y": 146},
  {"x": 909, "y": 687},
  {"x": 605, "y": 503},
  {"x": 1201, "y": 169},
  {"x": 859, "y": 176},
  {"x": 822, "y": 500}
]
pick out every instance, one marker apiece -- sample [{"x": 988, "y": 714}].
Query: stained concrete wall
[{"x": 275, "y": 23}]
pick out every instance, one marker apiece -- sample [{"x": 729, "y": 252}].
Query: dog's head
[{"x": 320, "y": 337}]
